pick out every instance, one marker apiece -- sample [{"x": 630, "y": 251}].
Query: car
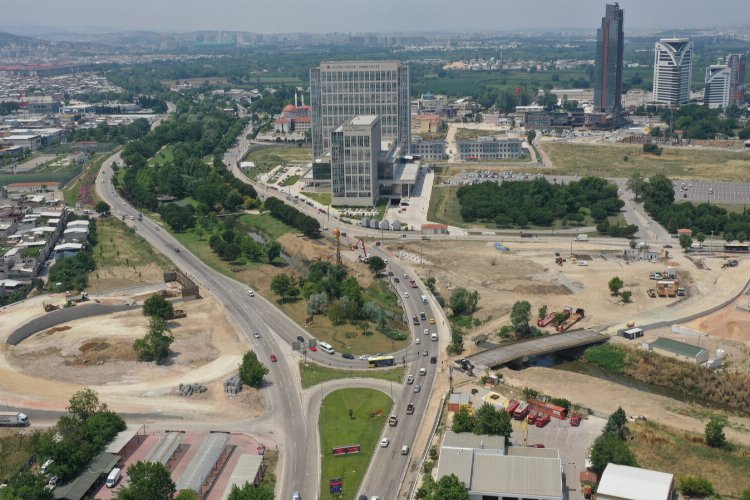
[
  {"x": 425, "y": 353},
  {"x": 406, "y": 295},
  {"x": 418, "y": 341},
  {"x": 667, "y": 246},
  {"x": 575, "y": 420},
  {"x": 313, "y": 348},
  {"x": 251, "y": 293},
  {"x": 385, "y": 442},
  {"x": 346, "y": 355},
  {"x": 46, "y": 465},
  {"x": 426, "y": 331},
  {"x": 410, "y": 379},
  {"x": 364, "y": 356},
  {"x": 256, "y": 335},
  {"x": 274, "y": 358},
  {"x": 433, "y": 360},
  {"x": 296, "y": 496},
  {"x": 406, "y": 276},
  {"x": 403, "y": 236},
  {"x": 396, "y": 280},
  {"x": 538, "y": 445},
  {"x": 404, "y": 450},
  {"x": 417, "y": 388},
  {"x": 390, "y": 273},
  {"x": 423, "y": 371},
  {"x": 432, "y": 321},
  {"x": 132, "y": 217},
  {"x": 413, "y": 284},
  {"x": 377, "y": 243},
  {"x": 300, "y": 338},
  {"x": 52, "y": 483},
  {"x": 176, "y": 249}
]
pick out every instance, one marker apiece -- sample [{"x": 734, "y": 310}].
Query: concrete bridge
[{"x": 518, "y": 351}]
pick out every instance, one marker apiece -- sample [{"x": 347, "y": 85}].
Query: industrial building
[
  {"x": 673, "y": 66},
  {"x": 620, "y": 482}
]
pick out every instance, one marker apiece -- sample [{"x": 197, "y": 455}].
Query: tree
[
  {"x": 158, "y": 306},
  {"x": 252, "y": 370},
  {"x": 617, "y": 423},
  {"x": 273, "y": 251},
  {"x": 636, "y": 183},
  {"x": 316, "y": 303},
  {"x": 154, "y": 346},
  {"x": 376, "y": 264},
  {"x": 530, "y": 136},
  {"x": 741, "y": 236},
  {"x": 26, "y": 485},
  {"x": 102, "y": 207},
  {"x": 686, "y": 241},
  {"x": 694, "y": 486},
  {"x": 729, "y": 236},
  {"x": 186, "y": 495},
  {"x": 430, "y": 284},
  {"x": 625, "y": 295},
  {"x": 84, "y": 403},
  {"x": 715, "y": 432},
  {"x": 147, "y": 480},
  {"x": 449, "y": 487},
  {"x": 700, "y": 237},
  {"x": 492, "y": 421},
  {"x": 746, "y": 493},
  {"x": 520, "y": 315},
  {"x": 462, "y": 302},
  {"x": 615, "y": 284},
  {"x": 283, "y": 286},
  {"x": 542, "y": 312},
  {"x": 463, "y": 421},
  {"x": 608, "y": 448},
  {"x": 248, "y": 491}
]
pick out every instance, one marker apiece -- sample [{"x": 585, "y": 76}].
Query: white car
[
  {"x": 406, "y": 295},
  {"x": 256, "y": 335},
  {"x": 251, "y": 293},
  {"x": 410, "y": 379},
  {"x": 418, "y": 341},
  {"x": 426, "y": 331},
  {"x": 385, "y": 442}
]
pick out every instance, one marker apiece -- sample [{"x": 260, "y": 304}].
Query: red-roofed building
[
  {"x": 680, "y": 232},
  {"x": 32, "y": 187},
  {"x": 434, "y": 229}
]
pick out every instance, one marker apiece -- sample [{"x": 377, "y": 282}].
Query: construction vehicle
[
  {"x": 521, "y": 412},
  {"x": 364, "y": 257},
  {"x": 666, "y": 288},
  {"x": 542, "y": 420},
  {"x": 572, "y": 320},
  {"x": 531, "y": 417},
  {"x": 50, "y": 307},
  {"x": 512, "y": 405},
  {"x": 651, "y": 292},
  {"x": 730, "y": 263},
  {"x": 178, "y": 313},
  {"x": 546, "y": 321}
]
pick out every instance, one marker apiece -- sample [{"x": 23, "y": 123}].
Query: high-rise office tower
[
  {"x": 673, "y": 66},
  {"x": 736, "y": 64},
  {"x": 355, "y": 148},
  {"x": 608, "y": 75},
  {"x": 341, "y": 90},
  {"x": 716, "y": 93}
]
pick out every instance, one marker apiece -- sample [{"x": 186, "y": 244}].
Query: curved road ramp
[
  {"x": 504, "y": 354},
  {"x": 54, "y": 318}
]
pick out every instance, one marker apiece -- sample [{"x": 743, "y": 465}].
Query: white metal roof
[
  {"x": 633, "y": 483},
  {"x": 69, "y": 246},
  {"x": 244, "y": 472},
  {"x": 202, "y": 463},
  {"x": 122, "y": 438}
]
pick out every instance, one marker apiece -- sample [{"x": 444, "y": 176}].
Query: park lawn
[
  {"x": 280, "y": 155},
  {"x": 118, "y": 245},
  {"x": 685, "y": 454},
  {"x": 198, "y": 245},
  {"x": 322, "y": 198},
  {"x": 165, "y": 156},
  {"x": 15, "y": 450},
  {"x": 291, "y": 180},
  {"x": 444, "y": 207},
  {"x": 338, "y": 429},
  {"x": 313, "y": 374},
  {"x": 681, "y": 163},
  {"x": 266, "y": 225}
]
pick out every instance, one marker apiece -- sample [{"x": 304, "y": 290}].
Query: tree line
[
  {"x": 309, "y": 226},
  {"x": 108, "y": 133},
  {"x": 538, "y": 202}
]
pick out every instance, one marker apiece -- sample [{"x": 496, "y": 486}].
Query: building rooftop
[
  {"x": 633, "y": 483},
  {"x": 468, "y": 440},
  {"x": 676, "y": 347},
  {"x": 363, "y": 120},
  {"x": 517, "y": 475}
]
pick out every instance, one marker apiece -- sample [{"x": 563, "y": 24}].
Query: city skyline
[{"x": 326, "y": 16}]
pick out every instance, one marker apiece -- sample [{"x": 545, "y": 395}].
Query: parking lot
[{"x": 573, "y": 443}]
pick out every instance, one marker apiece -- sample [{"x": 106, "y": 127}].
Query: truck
[
  {"x": 582, "y": 237},
  {"x": 572, "y": 320},
  {"x": 410, "y": 408},
  {"x": 14, "y": 419},
  {"x": 521, "y": 412},
  {"x": 546, "y": 321}
]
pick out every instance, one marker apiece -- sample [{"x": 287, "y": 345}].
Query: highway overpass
[{"x": 504, "y": 354}]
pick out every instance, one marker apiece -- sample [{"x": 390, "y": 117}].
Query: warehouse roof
[
  {"x": 469, "y": 440},
  {"x": 517, "y": 476},
  {"x": 676, "y": 347},
  {"x": 633, "y": 483}
]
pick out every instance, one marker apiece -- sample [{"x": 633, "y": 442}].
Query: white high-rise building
[
  {"x": 673, "y": 66},
  {"x": 355, "y": 149},
  {"x": 717, "y": 91},
  {"x": 341, "y": 90}
]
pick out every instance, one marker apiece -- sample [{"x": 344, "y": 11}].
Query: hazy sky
[{"x": 277, "y": 16}]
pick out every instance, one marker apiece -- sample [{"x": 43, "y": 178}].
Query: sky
[{"x": 321, "y": 16}]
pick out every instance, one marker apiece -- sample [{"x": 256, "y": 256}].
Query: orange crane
[{"x": 364, "y": 257}]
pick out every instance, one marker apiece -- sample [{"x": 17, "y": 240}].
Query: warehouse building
[
  {"x": 679, "y": 350},
  {"x": 620, "y": 482}
]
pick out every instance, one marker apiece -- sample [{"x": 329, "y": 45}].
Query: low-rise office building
[
  {"x": 428, "y": 149},
  {"x": 489, "y": 148}
]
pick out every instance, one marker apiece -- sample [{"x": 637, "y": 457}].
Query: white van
[
  {"x": 434, "y": 337},
  {"x": 582, "y": 237},
  {"x": 326, "y": 347},
  {"x": 113, "y": 477},
  {"x": 424, "y": 299}
]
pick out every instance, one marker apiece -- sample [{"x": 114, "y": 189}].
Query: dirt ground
[
  {"x": 44, "y": 370},
  {"x": 119, "y": 277},
  {"x": 529, "y": 272}
]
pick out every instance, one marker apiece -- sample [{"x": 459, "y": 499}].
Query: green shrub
[
  {"x": 607, "y": 356},
  {"x": 694, "y": 486}
]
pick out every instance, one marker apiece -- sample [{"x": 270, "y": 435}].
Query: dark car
[
  {"x": 667, "y": 246},
  {"x": 396, "y": 280},
  {"x": 346, "y": 355},
  {"x": 433, "y": 360},
  {"x": 390, "y": 273},
  {"x": 300, "y": 338}
]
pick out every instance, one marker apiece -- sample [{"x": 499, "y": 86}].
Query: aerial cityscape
[{"x": 374, "y": 250}]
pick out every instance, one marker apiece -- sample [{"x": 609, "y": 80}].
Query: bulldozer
[{"x": 50, "y": 307}]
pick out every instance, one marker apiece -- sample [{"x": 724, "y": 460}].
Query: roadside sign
[
  {"x": 347, "y": 450},
  {"x": 336, "y": 485}
]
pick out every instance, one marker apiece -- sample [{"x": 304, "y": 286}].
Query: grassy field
[
  {"x": 118, "y": 246},
  {"x": 683, "y": 454},
  {"x": 313, "y": 374},
  {"x": 338, "y": 429},
  {"x": 267, "y": 225},
  {"x": 608, "y": 161},
  {"x": 470, "y": 133},
  {"x": 291, "y": 180},
  {"x": 322, "y": 198},
  {"x": 280, "y": 154},
  {"x": 15, "y": 450},
  {"x": 444, "y": 207},
  {"x": 163, "y": 157}
]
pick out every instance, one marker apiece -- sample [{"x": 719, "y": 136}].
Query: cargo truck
[{"x": 13, "y": 419}]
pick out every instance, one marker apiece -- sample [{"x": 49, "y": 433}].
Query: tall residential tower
[
  {"x": 736, "y": 64},
  {"x": 673, "y": 67},
  {"x": 608, "y": 75}
]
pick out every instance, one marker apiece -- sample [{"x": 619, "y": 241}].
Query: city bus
[{"x": 379, "y": 361}]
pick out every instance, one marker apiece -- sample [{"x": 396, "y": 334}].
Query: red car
[
  {"x": 413, "y": 284},
  {"x": 274, "y": 358},
  {"x": 313, "y": 348},
  {"x": 575, "y": 420}
]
